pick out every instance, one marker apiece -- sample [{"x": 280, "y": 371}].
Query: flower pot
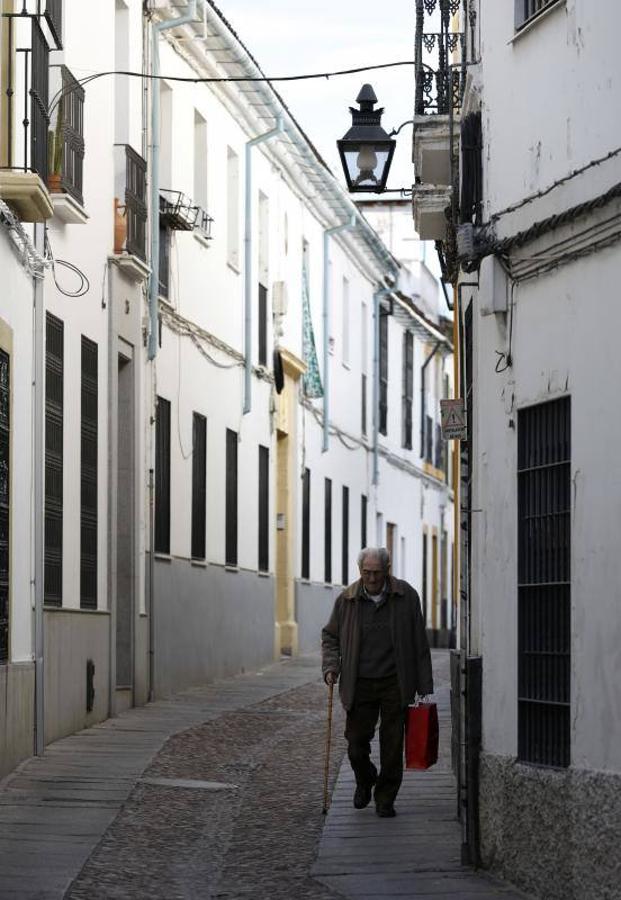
[
  {"x": 53, "y": 183},
  {"x": 120, "y": 227}
]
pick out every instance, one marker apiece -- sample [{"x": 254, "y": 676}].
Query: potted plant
[{"x": 55, "y": 152}]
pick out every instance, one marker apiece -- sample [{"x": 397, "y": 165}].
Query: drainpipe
[
  {"x": 377, "y": 296},
  {"x": 280, "y": 127},
  {"x": 326, "y": 325},
  {"x": 422, "y": 397},
  {"x": 39, "y": 517},
  {"x": 158, "y": 27}
]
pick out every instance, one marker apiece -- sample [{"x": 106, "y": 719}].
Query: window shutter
[
  {"x": 264, "y": 505},
  {"x": 306, "y": 480},
  {"x": 199, "y": 485},
  {"x": 230, "y": 553},
  {"x": 54, "y": 387},
  {"x": 88, "y": 477},
  {"x": 162, "y": 476}
]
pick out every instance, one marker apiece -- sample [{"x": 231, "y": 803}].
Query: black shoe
[
  {"x": 385, "y": 810},
  {"x": 362, "y": 795}
]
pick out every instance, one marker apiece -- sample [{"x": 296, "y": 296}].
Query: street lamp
[{"x": 366, "y": 150}]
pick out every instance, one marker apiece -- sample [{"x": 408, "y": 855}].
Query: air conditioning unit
[{"x": 280, "y": 300}]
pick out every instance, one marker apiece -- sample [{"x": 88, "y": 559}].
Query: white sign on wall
[{"x": 454, "y": 426}]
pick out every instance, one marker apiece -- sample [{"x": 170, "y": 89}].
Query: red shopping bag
[{"x": 421, "y": 736}]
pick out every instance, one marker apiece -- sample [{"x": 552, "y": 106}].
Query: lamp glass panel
[{"x": 366, "y": 165}]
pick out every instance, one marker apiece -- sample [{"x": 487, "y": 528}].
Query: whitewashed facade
[
  {"x": 182, "y": 528},
  {"x": 544, "y": 589}
]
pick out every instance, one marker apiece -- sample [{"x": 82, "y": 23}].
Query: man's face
[{"x": 372, "y": 573}]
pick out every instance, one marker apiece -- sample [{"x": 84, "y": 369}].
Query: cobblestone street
[
  {"x": 218, "y": 793},
  {"x": 250, "y": 825}
]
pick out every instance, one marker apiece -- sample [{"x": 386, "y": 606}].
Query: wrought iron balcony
[
  {"x": 131, "y": 203},
  {"x": 439, "y": 83},
  {"x": 66, "y": 138},
  {"x": 177, "y": 210}
]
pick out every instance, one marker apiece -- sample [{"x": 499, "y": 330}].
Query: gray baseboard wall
[{"x": 555, "y": 833}]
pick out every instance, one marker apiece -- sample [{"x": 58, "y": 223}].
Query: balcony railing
[
  {"x": 27, "y": 90},
  {"x": 439, "y": 83},
  {"x": 136, "y": 203},
  {"x": 66, "y": 139}
]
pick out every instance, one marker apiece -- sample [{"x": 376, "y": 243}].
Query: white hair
[{"x": 381, "y": 553}]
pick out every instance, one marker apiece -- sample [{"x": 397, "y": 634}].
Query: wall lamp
[{"x": 366, "y": 150}]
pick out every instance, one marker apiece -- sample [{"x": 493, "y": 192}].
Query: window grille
[
  {"x": 306, "y": 499},
  {"x": 327, "y": 532},
  {"x": 136, "y": 203},
  {"x": 88, "y": 477},
  {"x": 471, "y": 169},
  {"x": 363, "y": 522},
  {"x": 54, "y": 386},
  {"x": 230, "y": 526},
  {"x": 383, "y": 372},
  {"x": 199, "y": 485},
  {"x": 5, "y": 500},
  {"x": 262, "y": 325},
  {"x": 54, "y": 18},
  {"x": 162, "y": 476},
  {"x": 264, "y": 509},
  {"x": 544, "y": 591},
  {"x": 407, "y": 390},
  {"x": 39, "y": 97},
  {"x": 164, "y": 279},
  {"x": 345, "y": 538},
  {"x": 69, "y": 131},
  {"x": 527, "y": 10}
]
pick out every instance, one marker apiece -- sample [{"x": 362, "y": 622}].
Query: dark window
[
  {"x": 165, "y": 233},
  {"x": 363, "y": 522},
  {"x": 429, "y": 439},
  {"x": 306, "y": 480},
  {"x": 525, "y": 10},
  {"x": 544, "y": 595},
  {"x": 262, "y": 325},
  {"x": 68, "y": 156},
  {"x": 407, "y": 390},
  {"x": 199, "y": 484},
  {"x": 363, "y": 405},
  {"x": 5, "y": 499},
  {"x": 383, "y": 372},
  {"x": 54, "y": 381},
  {"x": 230, "y": 551},
  {"x": 439, "y": 448},
  {"x": 264, "y": 509},
  {"x": 39, "y": 101},
  {"x": 136, "y": 203},
  {"x": 424, "y": 579},
  {"x": 88, "y": 477},
  {"x": 162, "y": 476},
  {"x": 345, "y": 538},
  {"x": 471, "y": 169},
  {"x": 54, "y": 17},
  {"x": 327, "y": 532}
]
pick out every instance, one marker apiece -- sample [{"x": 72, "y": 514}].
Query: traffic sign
[{"x": 454, "y": 425}]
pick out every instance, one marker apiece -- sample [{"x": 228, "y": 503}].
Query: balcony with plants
[
  {"x": 66, "y": 149},
  {"x": 130, "y": 212}
]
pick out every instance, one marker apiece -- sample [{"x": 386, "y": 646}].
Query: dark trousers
[{"x": 377, "y": 698}]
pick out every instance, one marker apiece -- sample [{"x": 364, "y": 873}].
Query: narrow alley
[{"x": 217, "y": 794}]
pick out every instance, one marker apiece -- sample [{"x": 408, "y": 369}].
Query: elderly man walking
[{"x": 375, "y": 643}]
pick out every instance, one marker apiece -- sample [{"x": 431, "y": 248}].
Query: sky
[{"x": 290, "y": 38}]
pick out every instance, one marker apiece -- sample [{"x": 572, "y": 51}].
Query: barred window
[
  {"x": 88, "y": 477},
  {"x": 54, "y": 389},
  {"x": 264, "y": 509},
  {"x": 527, "y": 10},
  {"x": 544, "y": 589},
  {"x": 199, "y": 485},
  {"x": 230, "y": 525},
  {"x": 162, "y": 476}
]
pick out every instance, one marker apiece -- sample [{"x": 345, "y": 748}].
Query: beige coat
[{"x": 340, "y": 641}]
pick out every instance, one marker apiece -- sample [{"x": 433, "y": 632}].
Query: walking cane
[{"x": 326, "y": 768}]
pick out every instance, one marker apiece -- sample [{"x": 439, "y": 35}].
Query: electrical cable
[
  {"x": 85, "y": 284},
  {"x": 224, "y": 79}
]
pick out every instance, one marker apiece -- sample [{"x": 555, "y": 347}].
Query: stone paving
[{"x": 218, "y": 794}]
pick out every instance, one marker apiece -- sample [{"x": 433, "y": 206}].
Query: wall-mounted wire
[{"x": 84, "y": 282}]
